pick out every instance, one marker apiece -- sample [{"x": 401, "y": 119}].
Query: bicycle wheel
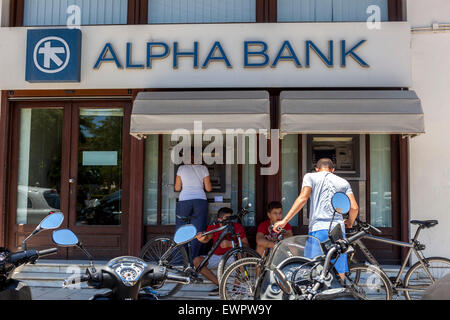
[
  {"x": 239, "y": 280},
  {"x": 370, "y": 282},
  {"x": 152, "y": 252},
  {"x": 417, "y": 278},
  {"x": 234, "y": 255}
]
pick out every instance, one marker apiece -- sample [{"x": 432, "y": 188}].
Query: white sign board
[{"x": 226, "y": 56}]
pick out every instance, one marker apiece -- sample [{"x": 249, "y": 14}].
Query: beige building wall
[{"x": 430, "y": 153}]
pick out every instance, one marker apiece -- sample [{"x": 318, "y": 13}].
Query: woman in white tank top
[{"x": 192, "y": 181}]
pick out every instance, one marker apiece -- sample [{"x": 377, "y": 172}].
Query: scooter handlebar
[
  {"x": 74, "y": 280},
  {"x": 47, "y": 252},
  {"x": 176, "y": 278}
]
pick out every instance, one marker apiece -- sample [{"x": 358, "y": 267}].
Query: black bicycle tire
[
  {"x": 415, "y": 266},
  {"x": 228, "y": 271},
  {"x": 380, "y": 273},
  {"x": 184, "y": 256},
  {"x": 226, "y": 256}
]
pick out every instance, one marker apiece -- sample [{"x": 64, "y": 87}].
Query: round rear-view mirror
[
  {"x": 52, "y": 221},
  {"x": 185, "y": 234},
  {"x": 340, "y": 203},
  {"x": 65, "y": 238}
]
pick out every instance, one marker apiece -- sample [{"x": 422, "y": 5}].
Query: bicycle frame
[
  {"x": 229, "y": 229},
  {"x": 413, "y": 247}
]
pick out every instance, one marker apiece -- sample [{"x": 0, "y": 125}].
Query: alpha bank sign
[
  {"x": 255, "y": 54},
  {"x": 214, "y": 56},
  {"x": 55, "y": 55}
]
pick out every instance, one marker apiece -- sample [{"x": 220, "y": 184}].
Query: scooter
[
  {"x": 125, "y": 276},
  {"x": 11, "y": 289}
]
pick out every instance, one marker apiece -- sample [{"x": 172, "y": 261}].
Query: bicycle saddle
[{"x": 425, "y": 223}]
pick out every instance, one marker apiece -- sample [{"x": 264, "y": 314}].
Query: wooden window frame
[
  {"x": 137, "y": 12},
  {"x": 266, "y": 11},
  {"x": 269, "y": 10}
]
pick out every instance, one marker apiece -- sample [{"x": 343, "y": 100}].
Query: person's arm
[
  {"x": 178, "y": 184},
  {"x": 203, "y": 239},
  {"x": 262, "y": 241},
  {"x": 207, "y": 184},
  {"x": 226, "y": 244},
  {"x": 245, "y": 242},
  {"x": 353, "y": 213},
  {"x": 296, "y": 207}
]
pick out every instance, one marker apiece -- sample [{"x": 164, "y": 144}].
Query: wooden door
[{"x": 59, "y": 152}]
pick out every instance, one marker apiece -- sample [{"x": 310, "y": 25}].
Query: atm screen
[{"x": 340, "y": 149}]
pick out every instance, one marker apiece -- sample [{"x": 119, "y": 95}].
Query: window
[
  {"x": 289, "y": 174},
  {"x": 55, "y": 12},
  {"x": 201, "y": 11},
  {"x": 39, "y": 163},
  {"x": 151, "y": 180},
  {"x": 328, "y": 10},
  {"x": 226, "y": 181},
  {"x": 380, "y": 181}
]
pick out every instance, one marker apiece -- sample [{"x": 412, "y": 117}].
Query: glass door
[
  {"x": 97, "y": 210},
  {"x": 39, "y": 157},
  {"x": 69, "y": 157}
]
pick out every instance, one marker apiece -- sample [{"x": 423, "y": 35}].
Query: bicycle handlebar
[{"x": 366, "y": 227}]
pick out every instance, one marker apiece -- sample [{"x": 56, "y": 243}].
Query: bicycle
[
  {"x": 302, "y": 267},
  {"x": 163, "y": 250},
  {"x": 239, "y": 279},
  {"x": 419, "y": 276}
]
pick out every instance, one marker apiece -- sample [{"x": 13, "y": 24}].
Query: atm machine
[{"x": 349, "y": 156}]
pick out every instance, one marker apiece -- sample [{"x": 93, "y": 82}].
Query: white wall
[{"x": 430, "y": 153}]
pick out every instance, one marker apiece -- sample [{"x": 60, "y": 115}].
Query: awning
[
  {"x": 163, "y": 112},
  {"x": 376, "y": 111}
]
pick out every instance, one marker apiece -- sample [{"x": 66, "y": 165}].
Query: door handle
[{"x": 72, "y": 180}]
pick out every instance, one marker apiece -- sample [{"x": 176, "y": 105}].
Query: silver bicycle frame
[{"x": 411, "y": 247}]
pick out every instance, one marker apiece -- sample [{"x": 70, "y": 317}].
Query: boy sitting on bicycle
[
  {"x": 223, "y": 248},
  {"x": 265, "y": 236}
]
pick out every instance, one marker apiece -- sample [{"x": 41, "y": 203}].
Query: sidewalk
[{"x": 46, "y": 278}]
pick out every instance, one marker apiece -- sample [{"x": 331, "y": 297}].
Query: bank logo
[{"x": 53, "y": 55}]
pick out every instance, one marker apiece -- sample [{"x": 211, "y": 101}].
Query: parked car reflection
[
  {"x": 39, "y": 203},
  {"x": 103, "y": 211}
]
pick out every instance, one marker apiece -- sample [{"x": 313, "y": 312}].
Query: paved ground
[
  {"x": 41, "y": 293},
  {"x": 46, "y": 277}
]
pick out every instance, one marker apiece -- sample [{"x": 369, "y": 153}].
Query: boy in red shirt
[
  {"x": 266, "y": 237},
  {"x": 226, "y": 245}
]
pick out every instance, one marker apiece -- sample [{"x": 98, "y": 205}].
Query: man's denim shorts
[{"x": 313, "y": 250}]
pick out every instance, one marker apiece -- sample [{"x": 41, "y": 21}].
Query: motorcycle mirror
[
  {"x": 51, "y": 221},
  {"x": 185, "y": 234},
  {"x": 340, "y": 203},
  {"x": 65, "y": 238},
  {"x": 281, "y": 281}
]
